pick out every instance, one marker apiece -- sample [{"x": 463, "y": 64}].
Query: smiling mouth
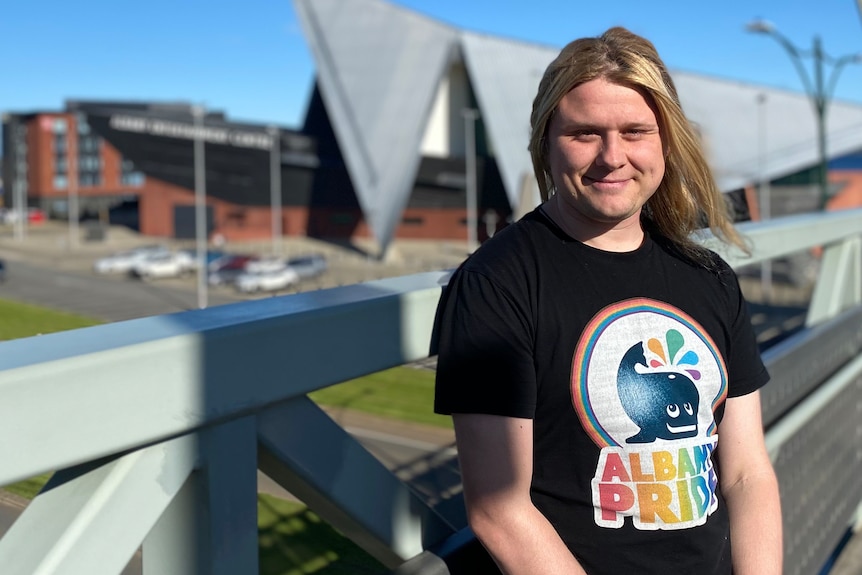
[
  {"x": 681, "y": 428},
  {"x": 604, "y": 182}
]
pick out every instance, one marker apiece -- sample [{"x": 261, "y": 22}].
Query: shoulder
[{"x": 514, "y": 248}]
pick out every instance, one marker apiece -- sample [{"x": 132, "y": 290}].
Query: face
[{"x": 606, "y": 154}]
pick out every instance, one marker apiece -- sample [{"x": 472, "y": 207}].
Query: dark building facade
[{"x": 134, "y": 162}]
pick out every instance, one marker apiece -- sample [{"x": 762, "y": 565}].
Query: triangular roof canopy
[
  {"x": 378, "y": 70},
  {"x": 379, "y": 67}
]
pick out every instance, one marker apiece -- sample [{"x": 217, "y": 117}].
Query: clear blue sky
[{"x": 250, "y": 59}]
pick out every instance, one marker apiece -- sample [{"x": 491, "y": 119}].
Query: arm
[
  {"x": 750, "y": 489},
  {"x": 496, "y": 458}
]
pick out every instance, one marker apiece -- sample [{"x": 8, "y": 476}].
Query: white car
[
  {"x": 124, "y": 262},
  {"x": 268, "y": 264},
  {"x": 271, "y": 280},
  {"x": 169, "y": 265},
  {"x": 308, "y": 266}
]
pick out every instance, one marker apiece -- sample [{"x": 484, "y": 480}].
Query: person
[{"x": 599, "y": 364}]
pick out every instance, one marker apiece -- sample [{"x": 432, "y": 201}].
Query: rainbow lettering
[{"x": 659, "y": 488}]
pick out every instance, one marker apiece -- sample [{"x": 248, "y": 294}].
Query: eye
[
  {"x": 673, "y": 410},
  {"x": 688, "y": 408},
  {"x": 585, "y": 135}
]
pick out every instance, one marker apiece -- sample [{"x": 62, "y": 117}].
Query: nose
[{"x": 611, "y": 155}]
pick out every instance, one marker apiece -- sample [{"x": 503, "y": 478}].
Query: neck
[{"x": 623, "y": 236}]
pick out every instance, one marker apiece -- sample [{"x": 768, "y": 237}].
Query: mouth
[
  {"x": 607, "y": 183},
  {"x": 681, "y": 428}
]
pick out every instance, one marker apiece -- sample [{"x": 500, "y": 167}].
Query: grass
[
  {"x": 292, "y": 539},
  {"x": 23, "y": 320},
  {"x": 401, "y": 393}
]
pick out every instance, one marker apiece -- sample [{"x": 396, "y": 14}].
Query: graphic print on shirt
[{"x": 646, "y": 379}]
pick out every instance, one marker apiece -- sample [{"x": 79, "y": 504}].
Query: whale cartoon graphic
[{"x": 663, "y": 404}]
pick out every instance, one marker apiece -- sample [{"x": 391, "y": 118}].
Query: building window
[
  {"x": 89, "y": 157},
  {"x": 135, "y": 179},
  {"x": 414, "y": 221},
  {"x": 130, "y": 176},
  {"x": 58, "y": 126},
  {"x": 60, "y": 182}
]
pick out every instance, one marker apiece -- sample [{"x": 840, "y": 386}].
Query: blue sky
[{"x": 250, "y": 59}]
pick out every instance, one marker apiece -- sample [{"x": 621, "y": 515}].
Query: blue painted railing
[{"x": 158, "y": 425}]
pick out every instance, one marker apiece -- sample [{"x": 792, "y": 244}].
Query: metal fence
[{"x": 158, "y": 425}]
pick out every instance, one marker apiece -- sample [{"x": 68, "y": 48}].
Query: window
[
  {"x": 133, "y": 179},
  {"x": 130, "y": 176},
  {"x": 60, "y": 182}
]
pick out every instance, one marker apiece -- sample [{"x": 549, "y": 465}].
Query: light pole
[
  {"x": 765, "y": 208},
  {"x": 819, "y": 93},
  {"x": 72, "y": 208},
  {"x": 470, "y": 117},
  {"x": 200, "y": 205},
  {"x": 275, "y": 188}
]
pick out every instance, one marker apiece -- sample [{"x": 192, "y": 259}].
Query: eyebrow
[{"x": 574, "y": 126}]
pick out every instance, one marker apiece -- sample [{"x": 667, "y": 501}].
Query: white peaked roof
[
  {"x": 379, "y": 67},
  {"x": 505, "y": 76}
]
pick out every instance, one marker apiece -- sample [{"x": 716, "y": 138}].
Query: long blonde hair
[{"x": 688, "y": 196}]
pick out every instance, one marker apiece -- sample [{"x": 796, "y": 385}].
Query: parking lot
[{"x": 49, "y": 244}]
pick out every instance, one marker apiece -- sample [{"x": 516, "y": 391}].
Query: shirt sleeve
[
  {"x": 746, "y": 371},
  {"x": 484, "y": 339}
]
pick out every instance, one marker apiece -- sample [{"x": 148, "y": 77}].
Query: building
[
  {"x": 133, "y": 163},
  {"x": 399, "y": 101}
]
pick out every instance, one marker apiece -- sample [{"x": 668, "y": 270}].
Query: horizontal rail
[
  {"x": 74, "y": 400},
  {"x": 783, "y": 236},
  {"x": 77, "y": 396}
]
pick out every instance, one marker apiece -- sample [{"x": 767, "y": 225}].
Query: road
[{"x": 103, "y": 297}]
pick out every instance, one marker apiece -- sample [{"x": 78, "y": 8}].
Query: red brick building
[{"x": 134, "y": 164}]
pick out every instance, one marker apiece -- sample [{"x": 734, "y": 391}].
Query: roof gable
[{"x": 378, "y": 70}]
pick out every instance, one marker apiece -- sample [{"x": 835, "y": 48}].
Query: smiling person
[{"x": 600, "y": 366}]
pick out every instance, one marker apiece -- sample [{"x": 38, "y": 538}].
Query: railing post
[
  {"x": 91, "y": 518},
  {"x": 839, "y": 283},
  {"x": 211, "y": 526}
]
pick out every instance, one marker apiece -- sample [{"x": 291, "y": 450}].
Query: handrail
[{"x": 169, "y": 405}]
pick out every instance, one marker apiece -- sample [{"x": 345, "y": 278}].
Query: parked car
[
  {"x": 2, "y": 271},
  {"x": 124, "y": 262},
  {"x": 268, "y": 280},
  {"x": 308, "y": 266},
  {"x": 169, "y": 265},
  {"x": 211, "y": 257},
  {"x": 36, "y": 216},
  {"x": 10, "y": 216},
  {"x": 227, "y": 269},
  {"x": 267, "y": 264}
]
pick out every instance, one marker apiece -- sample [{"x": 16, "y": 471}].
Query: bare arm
[
  {"x": 750, "y": 489},
  {"x": 496, "y": 457}
]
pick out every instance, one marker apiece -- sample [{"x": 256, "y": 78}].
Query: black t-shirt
[{"x": 623, "y": 361}]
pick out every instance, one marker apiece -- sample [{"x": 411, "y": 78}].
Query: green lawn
[
  {"x": 292, "y": 539},
  {"x": 402, "y": 393},
  {"x": 23, "y": 320}
]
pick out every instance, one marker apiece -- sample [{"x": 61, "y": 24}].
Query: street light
[
  {"x": 72, "y": 207},
  {"x": 198, "y": 113},
  {"x": 275, "y": 188},
  {"x": 819, "y": 93},
  {"x": 470, "y": 117}
]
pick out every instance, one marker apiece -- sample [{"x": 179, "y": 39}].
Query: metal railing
[{"x": 158, "y": 425}]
